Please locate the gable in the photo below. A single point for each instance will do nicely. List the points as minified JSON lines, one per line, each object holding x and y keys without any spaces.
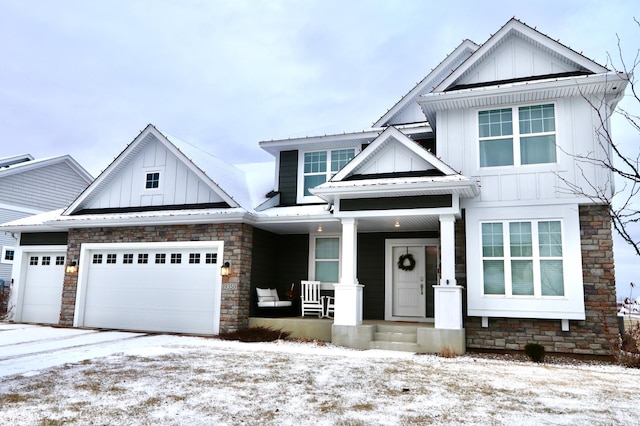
{"x":516,"y":58}
{"x":393,"y":154}
{"x":123,"y":185}
{"x":515,"y":52}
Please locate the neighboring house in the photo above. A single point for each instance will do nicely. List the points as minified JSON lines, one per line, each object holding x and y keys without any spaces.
{"x":29,"y":186}
{"x":452,"y":210}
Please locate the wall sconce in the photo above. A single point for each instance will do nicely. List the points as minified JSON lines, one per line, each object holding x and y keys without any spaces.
{"x":225,"y":270}
{"x":319,"y":228}
{"x":396,"y":225}
{"x":72,"y":267}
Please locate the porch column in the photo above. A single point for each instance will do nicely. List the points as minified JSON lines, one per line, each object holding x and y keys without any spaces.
{"x":348,"y":293}
{"x":448,"y":295}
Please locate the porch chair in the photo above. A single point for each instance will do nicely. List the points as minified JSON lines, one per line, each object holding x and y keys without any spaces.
{"x":329,"y":306}
{"x":268,"y":298}
{"x":311,"y":302}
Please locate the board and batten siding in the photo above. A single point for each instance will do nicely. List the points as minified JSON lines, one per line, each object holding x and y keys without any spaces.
{"x":178,"y":184}
{"x":288,"y":177}
{"x":44,"y":188}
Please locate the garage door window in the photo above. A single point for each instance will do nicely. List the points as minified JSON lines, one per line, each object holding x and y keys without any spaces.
{"x":33,"y":260}
{"x":97,"y":258}
{"x":111,"y":258}
{"x":127,"y":258}
{"x":194,"y":257}
{"x":143,"y":258}
{"x":46,"y":260}
{"x":211,"y":258}
{"x":161,"y":258}
{"x":176,"y":257}
{"x":59,"y":260}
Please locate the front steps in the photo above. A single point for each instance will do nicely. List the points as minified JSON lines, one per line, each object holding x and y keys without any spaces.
{"x":396,"y":338}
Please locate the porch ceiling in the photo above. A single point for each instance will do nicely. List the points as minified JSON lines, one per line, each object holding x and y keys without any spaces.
{"x":408,"y":223}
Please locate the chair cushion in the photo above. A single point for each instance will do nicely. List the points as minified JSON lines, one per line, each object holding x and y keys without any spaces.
{"x":265,"y":295}
{"x":274,"y":304}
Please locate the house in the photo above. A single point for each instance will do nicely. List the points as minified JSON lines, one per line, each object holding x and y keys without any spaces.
{"x":30,"y":186}
{"x":451,"y":212}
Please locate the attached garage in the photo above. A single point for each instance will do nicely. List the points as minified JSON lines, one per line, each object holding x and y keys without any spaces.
{"x":165,"y":287}
{"x":40,"y":298}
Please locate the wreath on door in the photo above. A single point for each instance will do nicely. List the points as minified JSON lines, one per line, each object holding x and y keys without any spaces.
{"x":406,"y":262}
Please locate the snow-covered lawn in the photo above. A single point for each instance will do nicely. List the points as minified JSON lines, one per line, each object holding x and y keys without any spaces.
{"x":130,"y":378}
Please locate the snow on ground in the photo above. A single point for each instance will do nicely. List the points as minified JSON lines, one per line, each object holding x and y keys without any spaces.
{"x":73,"y":376}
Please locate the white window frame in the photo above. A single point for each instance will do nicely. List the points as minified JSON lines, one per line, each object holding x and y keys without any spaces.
{"x":516,"y":135}
{"x":302,"y":198}
{"x":4,"y":254}
{"x":507,"y":258}
{"x":160,"y":179}
{"x":312,"y":254}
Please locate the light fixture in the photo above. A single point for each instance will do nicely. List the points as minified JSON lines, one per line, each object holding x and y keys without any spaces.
{"x":225,"y":270}
{"x":396,"y":225}
{"x":319,"y":228}
{"x":72,"y":267}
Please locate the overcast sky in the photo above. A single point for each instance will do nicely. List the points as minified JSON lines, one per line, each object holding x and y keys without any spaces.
{"x":84,"y":77}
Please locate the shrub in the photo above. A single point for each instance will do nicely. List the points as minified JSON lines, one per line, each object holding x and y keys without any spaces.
{"x":255,"y":334}
{"x":534,"y":351}
{"x":447,"y":352}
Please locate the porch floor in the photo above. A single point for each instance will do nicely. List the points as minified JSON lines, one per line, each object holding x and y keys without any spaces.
{"x":372,"y":334}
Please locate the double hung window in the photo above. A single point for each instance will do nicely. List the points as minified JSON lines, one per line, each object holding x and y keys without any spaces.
{"x":320,"y":166}
{"x":517,"y":136}
{"x":522,"y":258}
{"x":327,"y":259}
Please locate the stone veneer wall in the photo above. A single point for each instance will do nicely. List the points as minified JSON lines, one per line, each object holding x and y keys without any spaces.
{"x":238,"y":242}
{"x":586,"y":337}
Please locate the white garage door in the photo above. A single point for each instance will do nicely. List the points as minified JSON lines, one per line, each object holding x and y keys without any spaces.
{"x":42,"y":293}
{"x":160,"y":288}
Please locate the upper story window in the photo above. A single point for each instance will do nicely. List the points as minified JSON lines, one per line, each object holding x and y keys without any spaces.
{"x":522,"y":258}
{"x":320,"y":166}
{"x":529,"y":139}
{"x":152,"y":180}
{"x":8,"y":253}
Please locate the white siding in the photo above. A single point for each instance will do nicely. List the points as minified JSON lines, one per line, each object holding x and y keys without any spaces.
{"x":394,"y":157}
{"x":178,"y":184}
{"x":457,"y":139}
{"x":514,"y":58}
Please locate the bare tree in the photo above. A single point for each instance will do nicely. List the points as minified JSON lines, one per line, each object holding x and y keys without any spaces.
{"x":623,"y":202}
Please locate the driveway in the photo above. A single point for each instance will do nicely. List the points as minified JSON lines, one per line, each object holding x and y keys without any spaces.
{"x":26,"y":349}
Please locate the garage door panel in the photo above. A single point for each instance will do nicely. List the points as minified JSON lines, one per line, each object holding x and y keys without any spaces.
{"x":176,"y":297}
{"x":42,"y":291}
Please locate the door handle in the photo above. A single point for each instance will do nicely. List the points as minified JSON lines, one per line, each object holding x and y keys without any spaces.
{"x":421,"y":289}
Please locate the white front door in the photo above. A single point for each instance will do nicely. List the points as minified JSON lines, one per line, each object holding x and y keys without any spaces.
{"x":409,"y":286}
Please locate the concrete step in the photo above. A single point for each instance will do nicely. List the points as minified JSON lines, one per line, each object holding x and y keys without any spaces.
{"x":394,"y":346}
{"x":385,"y":328}
{"x":396,"y":337}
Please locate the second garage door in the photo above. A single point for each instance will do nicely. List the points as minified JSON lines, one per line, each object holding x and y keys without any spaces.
{"x":161,"y":287}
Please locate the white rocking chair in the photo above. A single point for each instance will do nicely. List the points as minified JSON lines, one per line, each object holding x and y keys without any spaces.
{"x":311,"y":302}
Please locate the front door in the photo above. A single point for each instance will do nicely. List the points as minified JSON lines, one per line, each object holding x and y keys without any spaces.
{"x":412,"y":270}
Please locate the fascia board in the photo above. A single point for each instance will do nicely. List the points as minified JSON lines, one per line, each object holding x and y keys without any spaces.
{"x":275,"y":146}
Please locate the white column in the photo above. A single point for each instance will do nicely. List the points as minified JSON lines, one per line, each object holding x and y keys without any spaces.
{"x":447,"y":250}
{"x":348,"y":293}
{"x":448,"y":295}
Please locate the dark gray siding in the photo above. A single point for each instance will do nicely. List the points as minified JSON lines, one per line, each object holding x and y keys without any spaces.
{"x":288,"y":177}
{"x":43,"y":239}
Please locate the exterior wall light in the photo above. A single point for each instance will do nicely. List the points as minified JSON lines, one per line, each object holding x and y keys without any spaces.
{"x":225,"y":270}
{"x":72,"y":267}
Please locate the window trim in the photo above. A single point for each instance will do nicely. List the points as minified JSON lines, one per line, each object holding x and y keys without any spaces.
{"x":312,"y":254}
{"x":516,"y":135}
{"x":301,"y":198}
{"x":4,"y":254}
{"x":146,"y":174}
{"x":507,"y":258}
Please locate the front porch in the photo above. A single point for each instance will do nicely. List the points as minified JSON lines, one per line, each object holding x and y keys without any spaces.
{"x":371,"y":334}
